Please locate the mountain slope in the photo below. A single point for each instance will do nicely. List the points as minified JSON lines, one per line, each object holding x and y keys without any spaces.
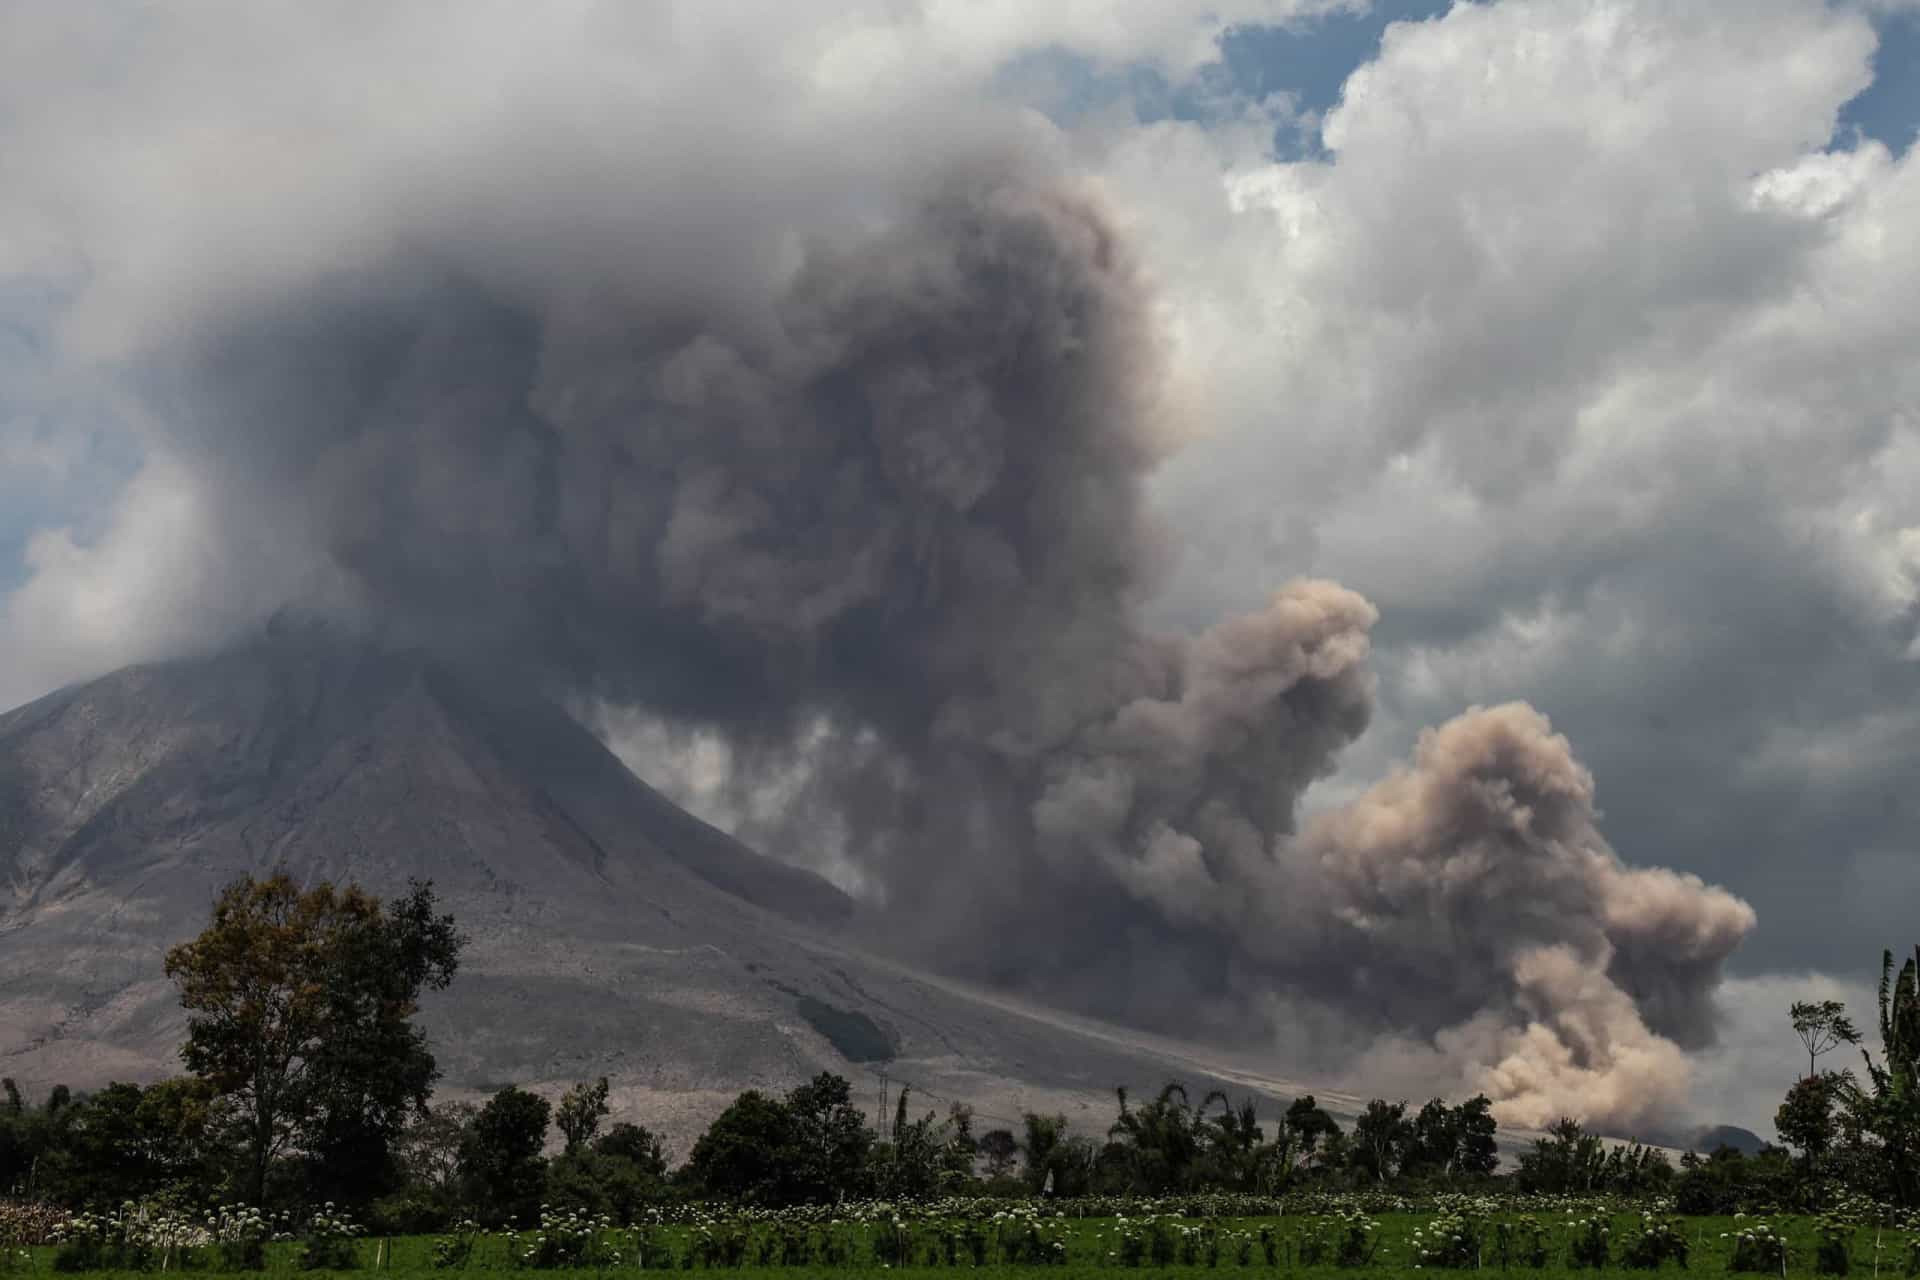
{"x":611,"y":932}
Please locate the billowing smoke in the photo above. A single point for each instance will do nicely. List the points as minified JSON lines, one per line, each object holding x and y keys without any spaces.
{"x":853,"y":486}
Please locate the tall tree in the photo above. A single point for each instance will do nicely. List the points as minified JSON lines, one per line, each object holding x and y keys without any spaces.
{"x":1381,"y":1137}
{"x":1310,"y":1126}
{"x":500,"y":1156}
{"x":831,"y":1139}
{"x":299,"y":1011}
{"x":1479,"y":1152}
{"x":582,"y":1108}
{"x":1001,"y":1149}
{"x":1821,"y":1026}
{"x":1894,"y":1105}
{"x":1805,"y":1120}
{"x":1162,"y":1138}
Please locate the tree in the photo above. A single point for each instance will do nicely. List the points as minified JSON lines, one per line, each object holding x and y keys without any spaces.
{"x":582,"y":1109}
{"x":1237,"y":1146}
{"x":1162,"y":1139}
{"x":638,"y":1146}
{"x":429,"y":1147}
{"x":1059,"y":1162}
{"x":1568,"y":1159}
{"x":1822,"y":1026}
{"x":623,"y":1170}
{"x":1044,"y":1134}
{"x":300,"y":1008}
{"x":831,"y":1140}
{"x":125,"y":1143}
{"x":1381,"y":1137}
{"x":1805,"y":1120}
{"x":745,"y":1152}
{"x":1892,"y":1109}
{"x":1450,"y":1140}
{"x":500,"y":1158}
{"x":1000,"y":1149}
{"x":1310,"y":1126}
{"x":1434,"y":1148}
{"x":1479,"y":1152}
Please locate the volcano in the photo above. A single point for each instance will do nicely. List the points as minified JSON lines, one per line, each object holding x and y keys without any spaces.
{"x":611,"y":932}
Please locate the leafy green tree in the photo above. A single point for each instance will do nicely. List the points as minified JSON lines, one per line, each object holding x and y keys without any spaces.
{"x":1806,"y":1120}
{"x":1479,"y":1150}
{"x":127,"y":1143}
{"x":746,"y":1153}
{"x":500,"y":1156}
{"x":960,"y":1148}
{"x":1892,"y":1109}
{"x":1044,"y":1135}
{"x":1567,"y":1160}
{"x":33,"y":1141}
{"x":1000,"y":1149}
{"x":592,"y":1183}
{"x":1821,"y":1026}
{"x":1381,"y":1138}
{"x":914,"y":1161}
{"x":1238,"y":1155}
{"x":429,"y":1147}
{"x":1058,"y":1161}
{"x":1161,"y":1140}
{"x":1434,"y":1148}
{"x":1451,"y":1141}
{"x":831,"y":1140}
{"x":637,"y":1146}
{"x":582,"y":1108}
{"x":300,"y":1007}
{"x":1310,"y":1126}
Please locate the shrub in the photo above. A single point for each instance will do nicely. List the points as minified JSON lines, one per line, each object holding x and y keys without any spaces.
{"x":1658,"y":1239}
{"x":1589,"y":1242}
{"x":1451,"y":1240}
{"x":1834,"y":1254}
{"x":327,"y":1242}
{"x":1758,"y":1248}
{"x":1522,"y":1242}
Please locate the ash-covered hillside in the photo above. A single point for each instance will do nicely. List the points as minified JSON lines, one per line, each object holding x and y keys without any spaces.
{"x":611,"y":932}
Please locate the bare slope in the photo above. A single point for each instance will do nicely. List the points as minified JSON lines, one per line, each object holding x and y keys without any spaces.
{"x":611,"y":931}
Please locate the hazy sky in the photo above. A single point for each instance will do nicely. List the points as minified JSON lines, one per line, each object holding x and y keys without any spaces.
{"x":1577,"y":337}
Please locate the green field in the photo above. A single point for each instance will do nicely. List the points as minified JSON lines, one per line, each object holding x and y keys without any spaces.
{"x":1278,"y":1245}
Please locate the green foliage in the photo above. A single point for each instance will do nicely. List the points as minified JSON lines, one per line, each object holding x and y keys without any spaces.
{"x":1833,"y":1255}
{"x":1758,"y":1246}
{"x":812,"y":1146}
{"x":581,"y":1110}
{"x":1589,"y":1242}
{"x":299,"y":1013}
{"x":567,"y":1239}
{"x":1821,"y":1026}
{"x":1382,"y":1137}
{"x":1455,"y":1239}
{"x":1567,"y":1160}
{"x":1658,"y":1238}
{"x":327,"y":1242}
{"x":500,"y":1163}
{"x":1521,"y":1242}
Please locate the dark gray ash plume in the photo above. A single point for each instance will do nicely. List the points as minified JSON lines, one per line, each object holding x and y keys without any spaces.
{"x":862,"y":503}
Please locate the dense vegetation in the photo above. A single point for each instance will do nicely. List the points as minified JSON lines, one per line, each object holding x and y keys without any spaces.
{"x":309,"y":1097}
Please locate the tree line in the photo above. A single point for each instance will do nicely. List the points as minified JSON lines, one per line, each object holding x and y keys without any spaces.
{"x":308,"y":1082}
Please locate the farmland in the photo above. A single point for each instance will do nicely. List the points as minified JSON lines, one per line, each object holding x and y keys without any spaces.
{"x":1310,"y":1235}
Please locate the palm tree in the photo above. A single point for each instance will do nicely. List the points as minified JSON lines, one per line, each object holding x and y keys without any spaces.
{"x":1162,"y":1139}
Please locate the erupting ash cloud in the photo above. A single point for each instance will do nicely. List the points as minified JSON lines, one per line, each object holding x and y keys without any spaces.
{"x":855,"y":489}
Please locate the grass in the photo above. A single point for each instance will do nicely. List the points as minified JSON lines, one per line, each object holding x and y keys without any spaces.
{"x":1094,"y":1245}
